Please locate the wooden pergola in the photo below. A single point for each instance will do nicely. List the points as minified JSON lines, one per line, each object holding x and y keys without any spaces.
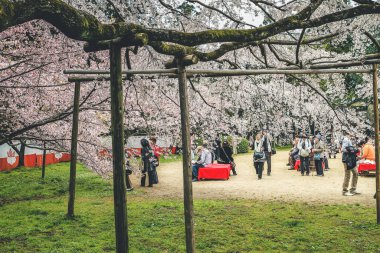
{"x":116,"y":75}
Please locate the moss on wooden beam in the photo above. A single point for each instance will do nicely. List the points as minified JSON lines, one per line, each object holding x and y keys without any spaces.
{"x":82,"y":26}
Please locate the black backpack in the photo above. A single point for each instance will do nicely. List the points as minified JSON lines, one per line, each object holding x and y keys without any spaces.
{"x":351,"y":160}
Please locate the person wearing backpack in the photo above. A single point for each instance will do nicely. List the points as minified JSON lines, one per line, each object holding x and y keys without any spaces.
{"x":349,"y":163}
{"x":304,"y":147}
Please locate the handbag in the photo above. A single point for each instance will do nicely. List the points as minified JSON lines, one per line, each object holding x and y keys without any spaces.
{"x":304,"y":153}
{"x":259,"y":155}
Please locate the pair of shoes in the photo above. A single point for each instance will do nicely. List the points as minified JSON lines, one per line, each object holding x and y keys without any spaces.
{"x":291,"y":169}
{"x":348,"y":194}
{"x":268,"y":174}
{"x":302,"y":174}
{"x":235,"y":174}
{"x":129,"y":189}
{"x":150,"y":185}
{"x":319,"y":175}
{"x":355,"y":192}
{"x":288,"y":164}
{"x":307,"y":174}
{"x":195,"y":180}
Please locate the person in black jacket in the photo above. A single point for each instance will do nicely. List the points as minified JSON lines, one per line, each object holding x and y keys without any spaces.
{"x":146,"y":156}
{"x":225,"y":156}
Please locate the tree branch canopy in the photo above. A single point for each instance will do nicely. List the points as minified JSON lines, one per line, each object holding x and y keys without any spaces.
{"x":79,"y":25}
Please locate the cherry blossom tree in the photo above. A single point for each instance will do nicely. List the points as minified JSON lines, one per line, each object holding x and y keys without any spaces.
{"x":41,"y":38}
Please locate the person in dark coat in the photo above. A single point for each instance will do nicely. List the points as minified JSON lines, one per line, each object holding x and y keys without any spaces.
{"x":146,"y":155}
{"x":225,"y":156}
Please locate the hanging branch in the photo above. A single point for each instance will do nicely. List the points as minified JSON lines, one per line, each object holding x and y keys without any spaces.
{"x":374,"y":41}
{"x":299,"y":47}
{"x":220,"y":12}
{"x":320,"y":94}
{"x":197,"y":91}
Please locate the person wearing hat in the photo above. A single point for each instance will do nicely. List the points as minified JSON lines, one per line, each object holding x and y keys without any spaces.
{"x":304,"y":147}
{"x":205,"y":158}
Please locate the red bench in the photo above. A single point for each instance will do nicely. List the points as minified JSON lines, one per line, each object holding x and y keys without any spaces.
{"x":215,"y":171}
{"x":367,"y":168}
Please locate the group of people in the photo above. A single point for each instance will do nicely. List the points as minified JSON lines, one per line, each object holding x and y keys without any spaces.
{"x":201,"y":156}
{"x":312,"y":149}
{"x":304,"y":149}
{"x":309,"y":150}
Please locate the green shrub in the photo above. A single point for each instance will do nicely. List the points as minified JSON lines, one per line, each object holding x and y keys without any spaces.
{"x":243,"y":146}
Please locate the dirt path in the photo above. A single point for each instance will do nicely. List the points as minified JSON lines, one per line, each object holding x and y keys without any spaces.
{"x":283,"y":184}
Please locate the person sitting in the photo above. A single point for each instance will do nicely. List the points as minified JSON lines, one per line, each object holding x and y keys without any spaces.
{"x":368,"y":152}
{"x":205,"y":158}
{"x":225,"y":156}
{"x":293,"y":154}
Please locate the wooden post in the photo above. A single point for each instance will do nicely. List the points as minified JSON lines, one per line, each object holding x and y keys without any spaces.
{"x":187,"y":170}
{"x":73,"y":161}
{"x":43,"y":162}
{"x":117,"y":114}
{"x":377,"y":157}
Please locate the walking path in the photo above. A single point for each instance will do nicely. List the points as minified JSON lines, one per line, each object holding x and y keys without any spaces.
{"x":283,"y":184}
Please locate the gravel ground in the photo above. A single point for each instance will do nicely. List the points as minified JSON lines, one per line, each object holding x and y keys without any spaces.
{"x":283,"y":184}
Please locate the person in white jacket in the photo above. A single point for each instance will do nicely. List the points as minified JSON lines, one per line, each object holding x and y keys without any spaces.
{"x":304,"y":147}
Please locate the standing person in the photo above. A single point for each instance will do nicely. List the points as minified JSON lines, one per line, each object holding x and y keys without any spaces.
{"x":205,"y":158}
{"x":267,"y":148}
{"x":346,"y":159}
{"x":217,"y":146}
{"x":146,"y":155}
{"x":226,"y":156}
{"x":258,"y":156}
{"x":318,"y":158}
{"x":155,"y":160}
{"x":304,"y":147}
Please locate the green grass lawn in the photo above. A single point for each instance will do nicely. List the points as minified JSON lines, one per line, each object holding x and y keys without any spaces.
{"x":32,"y":219}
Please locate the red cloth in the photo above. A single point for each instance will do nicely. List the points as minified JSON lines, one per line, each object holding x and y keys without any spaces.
{"x":6,"y":166}
{"x":30,"y":160}
{"x":50,"y":159}
{"x":297,"y":165}
{"x":366,"y":167}
{"x":66,"y":157}
{"x":215,"y":171}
